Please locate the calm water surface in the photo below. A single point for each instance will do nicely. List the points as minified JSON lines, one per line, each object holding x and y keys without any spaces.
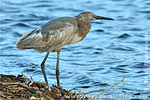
{"x":112,"y":50}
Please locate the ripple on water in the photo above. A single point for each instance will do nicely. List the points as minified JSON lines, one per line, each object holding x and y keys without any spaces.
{"x":83,"y":80}
{"x":118,"y":69}
{"x":96,"y":69}
{"x":97,"y":52}
{"x":16,"y":34}
{"x":7,"y":21}
{"x":139,"y":65}
{"x":10,"y":10}
{"x":80,"y":64}
{"x":23,"y":25}
{"x":27,"y":19}
{"x":140,"y":72}
{"x":88,"y":47}
{"x":139,"y":42}
{"x":122,"y":65}
{"x":100,"y":84}
{"x":134,"y":29}
{"x":21,"y":64}
{"x":32,"y":17}
{"x":124,"y":36}
{"x":99,"y":30}
{"x":144,"y":11}
{"x":9,"y":55}
{"x":29,"y":70}
{"x":120,"y":48}
{"x":78,"y":52}
{"x":2,"y":39}
{"x":42,"y":5}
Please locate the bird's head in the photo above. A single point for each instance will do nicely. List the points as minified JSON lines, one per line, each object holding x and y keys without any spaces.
{"x":89,"y":16}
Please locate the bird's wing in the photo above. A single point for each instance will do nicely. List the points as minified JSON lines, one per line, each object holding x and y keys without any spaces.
{"x":51,"y":34}
{"x":58,"y":32}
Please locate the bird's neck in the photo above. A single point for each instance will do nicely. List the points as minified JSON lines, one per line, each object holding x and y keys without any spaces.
{"x":83,"y":28}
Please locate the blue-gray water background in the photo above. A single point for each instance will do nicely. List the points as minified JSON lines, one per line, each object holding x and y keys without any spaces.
{"x":112,"y":49}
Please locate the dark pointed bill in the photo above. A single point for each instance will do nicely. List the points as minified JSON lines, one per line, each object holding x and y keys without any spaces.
{"x":101,"y":17}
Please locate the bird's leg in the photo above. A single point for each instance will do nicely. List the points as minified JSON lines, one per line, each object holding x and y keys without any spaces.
{"x":43,"y":67}
{"x":57,"y":67}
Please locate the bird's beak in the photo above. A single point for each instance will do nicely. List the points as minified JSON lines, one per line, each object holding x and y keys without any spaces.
{"x":103,"y":18}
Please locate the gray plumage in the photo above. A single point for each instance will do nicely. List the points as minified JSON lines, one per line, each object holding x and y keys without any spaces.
{"x":51,"y":36}
{"x":57,"y":33}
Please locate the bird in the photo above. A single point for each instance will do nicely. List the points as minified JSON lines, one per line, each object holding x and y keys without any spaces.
{"x":55,"y":34}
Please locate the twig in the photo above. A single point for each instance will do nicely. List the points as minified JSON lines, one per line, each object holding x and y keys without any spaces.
{"x":25,"y":77}
{"x":31,"y":78}
{"x":12,"y":83}
{"x":28,"y":81}
{"x":107,"y":89}
{"x":93,"y":91}
{"x":31,"y":90}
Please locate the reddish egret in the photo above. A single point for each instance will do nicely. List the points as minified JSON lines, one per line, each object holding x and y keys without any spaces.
{"x":55,"y":34}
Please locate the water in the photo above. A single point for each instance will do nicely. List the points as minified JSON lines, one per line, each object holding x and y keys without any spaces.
{"x":112,"y":50}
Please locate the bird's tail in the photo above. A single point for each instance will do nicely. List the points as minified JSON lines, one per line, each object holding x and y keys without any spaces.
{"x":24,"y":40}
